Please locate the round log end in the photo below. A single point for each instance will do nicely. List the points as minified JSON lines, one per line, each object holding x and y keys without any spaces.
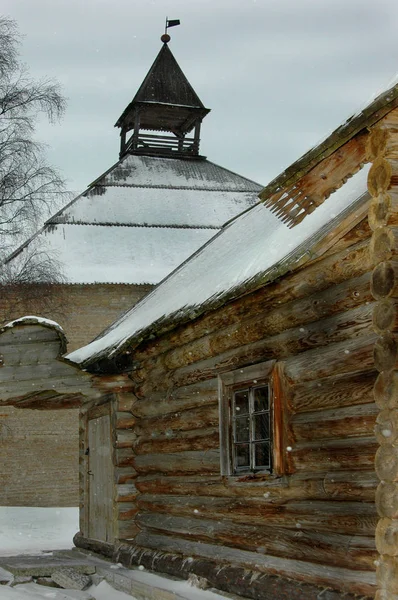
{"x":379,"y":177}
{"x":379,"y":211}
{"x":376,"y":143}
{"x":386,"y":463}
{"x":387,"y":500}
{"x":382,"y":245}
{"x":385,"y":390}
{"x":387,"y":536}
{"x":385,"y":352}
{"x":387,"y":574}
{"x":384,"y":316}
{"x":386,"y":428}
{"x":383,"y":281}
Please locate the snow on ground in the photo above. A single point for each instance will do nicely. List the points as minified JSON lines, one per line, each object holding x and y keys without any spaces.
{"x":37,"y":530}
{"x":34,"y":530}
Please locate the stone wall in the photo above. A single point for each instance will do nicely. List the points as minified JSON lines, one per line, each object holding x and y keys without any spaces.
{"x":39,"y":449}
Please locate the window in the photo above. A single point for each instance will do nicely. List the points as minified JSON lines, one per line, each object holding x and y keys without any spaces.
{"x":251,"y":429}
{"x":250,"y":421}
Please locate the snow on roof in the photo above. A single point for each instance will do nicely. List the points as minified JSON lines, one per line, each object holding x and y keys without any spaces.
{"x":133,"y":255}
{"x":156,"y":207}
{"x":115,"y":232}
{"x":151,"y":171}
{"x":32,"y":320}
{"x":256,"y":244}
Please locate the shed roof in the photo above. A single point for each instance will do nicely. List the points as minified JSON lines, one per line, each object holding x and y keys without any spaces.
{"x":142,"y":218}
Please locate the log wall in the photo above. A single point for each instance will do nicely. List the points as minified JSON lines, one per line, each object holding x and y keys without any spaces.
{"x":316,"y":523}
{"x":383,"y":219}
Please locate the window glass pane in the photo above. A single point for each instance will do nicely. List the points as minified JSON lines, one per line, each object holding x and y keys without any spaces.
{"x":261,"y":426}
{"x":241,"y":404}
{"x":242,"y":455}
{"x":242,"y":429}
{"x":261,"y":398}
{"x":262,"y":455}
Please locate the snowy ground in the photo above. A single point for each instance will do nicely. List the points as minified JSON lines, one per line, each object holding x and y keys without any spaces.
{"x":38,"y":530}
{"x":35,"y":530}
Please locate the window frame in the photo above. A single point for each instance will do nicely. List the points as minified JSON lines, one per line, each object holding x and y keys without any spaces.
{"x":264,"y":373}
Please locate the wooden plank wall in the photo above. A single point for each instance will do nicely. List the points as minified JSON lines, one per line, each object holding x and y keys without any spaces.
{"x":318,"y":323}
{"x":383,"y":218}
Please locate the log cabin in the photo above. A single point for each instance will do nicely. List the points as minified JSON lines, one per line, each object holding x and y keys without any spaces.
{"x":240,"y":422}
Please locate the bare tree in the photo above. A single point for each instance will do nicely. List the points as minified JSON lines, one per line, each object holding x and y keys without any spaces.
{"x":28,"y":185}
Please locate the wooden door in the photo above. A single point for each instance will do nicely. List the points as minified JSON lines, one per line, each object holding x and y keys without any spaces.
{"x":100,"y":480}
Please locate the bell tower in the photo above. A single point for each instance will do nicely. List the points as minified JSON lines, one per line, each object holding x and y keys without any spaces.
{"x":165,"y":115}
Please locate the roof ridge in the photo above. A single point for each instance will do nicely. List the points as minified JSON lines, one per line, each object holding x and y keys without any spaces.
{"x":131,"y":225}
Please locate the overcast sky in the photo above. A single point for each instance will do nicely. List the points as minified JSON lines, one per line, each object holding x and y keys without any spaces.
{"x":278,"y":75}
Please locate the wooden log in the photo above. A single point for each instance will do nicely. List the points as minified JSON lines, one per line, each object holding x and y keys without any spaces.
{"x":202,"y":439}
{"x":33,"y":353}
{"x":126,"y":492}
{"x":281,"y":325}
{"x":183,"y":398}
{"x":359,"y":232}
{"x":385,"y":316}
{"x":313,"y":278}
{"x":376,"y":143}
{"x":386,"y":463}
{"x":127,"y":530}
{"x":387,"y":574}
{"x":360,"y":485}
{"x":387,"y":500}
{"x":125,"y":402}
{"x":382,"y":211}
{"x":179,"y":462}
{"x":360,"y":582}
{"x":384,"y":280}
{"x":352,"y":485}
{"x":331,"y":549}
{"x":334,"y":455}
{"x":307,"y":312}
{"x":125,"y":420}
{"x":355,"y":518}
{"x":340,"y":358}
{"x":125,"y":438}
{"x":353,"y":421}
{"x":380,"y":174}
{"x":336,"y":391}
{"x":386,"y":429}
{"x":383,"y":244}
{"x":126,"y":510}
{"x":385,"y":352}
{"x":124,"y":457}
{"x":196,"y":418}
{"x":386,"y":390}
{"x":123,"y":475}
{"x":387,"y":536}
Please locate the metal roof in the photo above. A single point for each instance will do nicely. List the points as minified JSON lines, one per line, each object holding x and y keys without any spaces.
{"x":141,"y":219}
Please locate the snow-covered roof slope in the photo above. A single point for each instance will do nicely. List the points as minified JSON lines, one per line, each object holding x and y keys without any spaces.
{"x":151,"y":171}
{"x":132,"y":255}
{"x":141,"y":219}
{"x":156,"y":207}
{"x":254,"y":247}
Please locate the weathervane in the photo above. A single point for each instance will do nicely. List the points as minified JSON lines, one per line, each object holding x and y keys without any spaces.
{"x":169,"y":23}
